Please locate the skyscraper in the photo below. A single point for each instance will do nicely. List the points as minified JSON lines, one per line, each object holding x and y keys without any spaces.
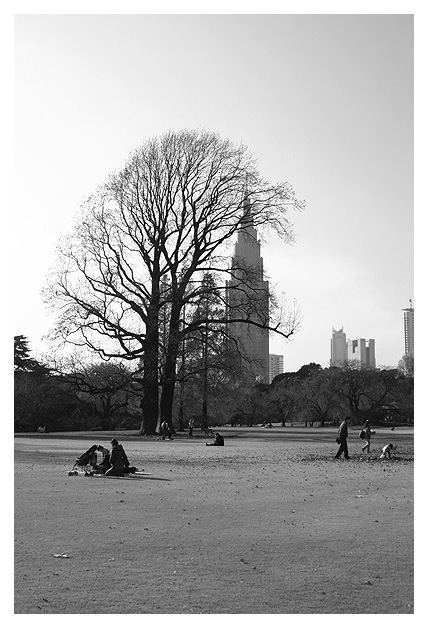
{"x":276,"y":366}
{"x":362,"y":351}
{"x":248,"y":299}
{"x":409,"y":329}
{"x":358,"y":350}
{"x":339,"y":353}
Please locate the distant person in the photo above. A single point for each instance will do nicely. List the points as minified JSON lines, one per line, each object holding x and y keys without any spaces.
{"x":342,"y":437}
{"x":165,"y":431}
{"x":367,"y":435}
{"x":191,"y":426}
{"x":218,"y":441}
{"x":386,"y":451}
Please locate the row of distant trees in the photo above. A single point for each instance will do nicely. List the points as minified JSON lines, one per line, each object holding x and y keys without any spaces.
{"x":107,"y":395}
{"x":325,"y":395}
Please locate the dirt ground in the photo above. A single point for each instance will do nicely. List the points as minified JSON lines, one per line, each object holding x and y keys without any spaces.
{"x":268,"y":524}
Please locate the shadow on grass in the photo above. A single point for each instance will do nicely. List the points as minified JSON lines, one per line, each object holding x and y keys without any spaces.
{"x":129,"y":478}
{"x":404,"y":458}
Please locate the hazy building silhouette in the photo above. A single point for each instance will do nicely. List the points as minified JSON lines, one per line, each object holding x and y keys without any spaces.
{"x":362,"y":351}
{"x":339,"y":351}
{"x":409,"y":329}
{"x":357,"y":350}
{"x":276,"y":366}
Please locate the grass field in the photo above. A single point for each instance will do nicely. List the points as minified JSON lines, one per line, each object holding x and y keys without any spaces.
{"x":268,"y":524}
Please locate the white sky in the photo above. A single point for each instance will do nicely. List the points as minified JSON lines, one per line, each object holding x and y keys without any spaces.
{"x":324,"y":102}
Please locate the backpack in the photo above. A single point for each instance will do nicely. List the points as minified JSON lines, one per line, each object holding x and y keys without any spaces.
{"x":362,"y":435}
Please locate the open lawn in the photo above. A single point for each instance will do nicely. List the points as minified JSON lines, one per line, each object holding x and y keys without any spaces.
{"x":270,"y":523}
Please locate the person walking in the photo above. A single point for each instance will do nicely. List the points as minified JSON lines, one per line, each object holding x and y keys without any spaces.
{"x":191,"y":426}
{"x":342,"y":436}
{"x":367,"y":434}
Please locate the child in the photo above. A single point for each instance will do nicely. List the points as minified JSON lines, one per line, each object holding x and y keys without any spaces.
{"x":367,"y":434}
{"x":386,"y":451}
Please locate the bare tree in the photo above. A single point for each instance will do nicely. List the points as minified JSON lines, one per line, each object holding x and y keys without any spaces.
{"x":144,"y":240}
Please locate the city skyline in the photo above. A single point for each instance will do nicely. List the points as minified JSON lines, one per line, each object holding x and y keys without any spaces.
{"x":356,"y":350}
{"x":324,"y":102}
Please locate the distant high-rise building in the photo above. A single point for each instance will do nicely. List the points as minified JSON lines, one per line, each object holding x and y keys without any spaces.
{"x":363,"y":351}
{"x":343,"y":351}
{"x":247,"y":297}
{"x":409,"y":330}
{"x":276,"y":366}
{"x":339,"y":353}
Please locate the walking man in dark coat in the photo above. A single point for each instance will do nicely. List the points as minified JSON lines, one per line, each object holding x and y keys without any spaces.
{"x":343,"y":435}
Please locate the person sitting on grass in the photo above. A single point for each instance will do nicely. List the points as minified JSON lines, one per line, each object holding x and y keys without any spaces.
{"x":105,"y":462}
{"x":218,"y":442}
{"x":126,"y":466}
{"x":386,"y":451}
{"x":119,"y":463}
{"x":116,"y":459}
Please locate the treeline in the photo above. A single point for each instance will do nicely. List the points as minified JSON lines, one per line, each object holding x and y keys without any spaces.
{"x":107,"y":395}
{"x":99,"y":396}
{"x":325,"y":395}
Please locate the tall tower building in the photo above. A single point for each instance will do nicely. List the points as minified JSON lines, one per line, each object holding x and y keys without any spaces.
{"x":247,"y":298}
{"x":339,"y":354}
{"x":276,"y":366}
{"x":362,"y":351}
{"x":409,"y":329}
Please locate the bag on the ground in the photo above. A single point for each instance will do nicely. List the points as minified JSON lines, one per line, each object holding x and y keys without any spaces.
{"x":362,"y":435}
{"x":337,"y":440}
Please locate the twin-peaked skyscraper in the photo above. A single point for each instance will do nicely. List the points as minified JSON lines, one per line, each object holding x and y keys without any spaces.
{"x":359,"y":350}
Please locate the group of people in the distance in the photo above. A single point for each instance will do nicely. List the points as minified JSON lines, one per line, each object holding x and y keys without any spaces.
{"x":165,"y":432}
{"x":365,"y":434}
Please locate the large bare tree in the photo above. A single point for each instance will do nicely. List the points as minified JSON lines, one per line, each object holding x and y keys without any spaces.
{"x":144,"y":240}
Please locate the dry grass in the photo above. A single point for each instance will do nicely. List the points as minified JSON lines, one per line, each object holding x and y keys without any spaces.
{"x":270,"y":523}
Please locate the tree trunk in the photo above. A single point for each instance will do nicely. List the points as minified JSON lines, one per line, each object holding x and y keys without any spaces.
{"x":149,"y":406}
{"x":169,"y":373}
{"x":181,"y":410}
{"x":150,"y":400}
{"x":167,"y":398}
{"x":205,"y":385}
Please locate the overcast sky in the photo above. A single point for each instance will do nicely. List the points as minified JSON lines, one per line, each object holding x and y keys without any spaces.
{"x":324,"y":102}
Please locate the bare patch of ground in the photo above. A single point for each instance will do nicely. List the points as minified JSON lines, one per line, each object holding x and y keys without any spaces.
{"x":270,"y":523}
